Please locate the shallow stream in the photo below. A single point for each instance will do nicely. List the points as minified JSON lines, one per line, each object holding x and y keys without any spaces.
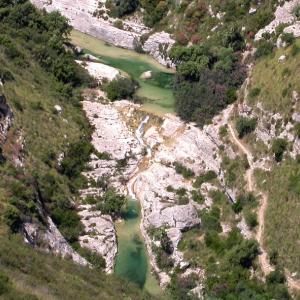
{"x":158,"y":89}
{"x":132,"y":261}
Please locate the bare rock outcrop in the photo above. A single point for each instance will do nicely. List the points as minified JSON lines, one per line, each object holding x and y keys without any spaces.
{"x":283,"y":15}
{"x":51,"y":240}
{"x":100,"y":234}
{"x":100,"y":71}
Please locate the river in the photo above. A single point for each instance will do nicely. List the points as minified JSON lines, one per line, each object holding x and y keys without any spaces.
{"x":158,"y":89}
{"x":132,"y":261}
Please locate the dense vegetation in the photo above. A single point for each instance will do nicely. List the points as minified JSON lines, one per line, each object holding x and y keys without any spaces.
{"x":207,"y":78}
{"x":120,"y":88}
{"x":32,"y":48}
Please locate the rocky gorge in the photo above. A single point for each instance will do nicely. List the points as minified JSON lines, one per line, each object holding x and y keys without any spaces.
{"x":142,"y":151}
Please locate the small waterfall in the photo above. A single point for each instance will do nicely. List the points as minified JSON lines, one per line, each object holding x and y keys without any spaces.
{"x":140,"y":132}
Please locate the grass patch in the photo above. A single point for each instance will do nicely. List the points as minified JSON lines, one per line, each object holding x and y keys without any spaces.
{"x":267,"y":70}
{"x":282,"y":215}
{"x":22,"y":274}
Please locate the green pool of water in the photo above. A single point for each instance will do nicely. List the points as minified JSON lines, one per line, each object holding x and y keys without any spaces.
{"x":132,"y":261}
{"x":158,"y":89}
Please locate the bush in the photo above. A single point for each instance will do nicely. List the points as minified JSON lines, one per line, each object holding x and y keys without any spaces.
{"x":296,"y":11}
{"x":5,"y":284}
{"x":76,"y":157}
{"x":244,"y":253}
{"x":12,"y":218}
{"x":288,"y":38}
{"x":111,"y":203}
{"x":254,"y":92}
{"x":166,"y":243}
{"x":278,"y":148}
{"x":184,"y":171}
{"x":93,"y":257}
{"x":264,"y":48}
{"x":197,"y":197}
{"x":121,"y":88}
{"x":297,"y":130}
{"x":119,"y":24}
{"x":243,"y":200}
{"x":206,"y":177}
{"x":245,"y":126}
{"x":251,"y":219}
{"x":276,"y":277}
{"x":211,"y":220}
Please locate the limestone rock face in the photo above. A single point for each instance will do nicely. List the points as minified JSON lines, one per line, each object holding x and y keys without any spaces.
{"x":51,"y":240}
{"x":147,"y":177}
{"x":100,"y":234}
{"x":283,"y":15}
{"x":158,"y":45}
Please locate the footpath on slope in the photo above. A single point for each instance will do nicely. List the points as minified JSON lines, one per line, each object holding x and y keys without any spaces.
{"x":251,"y":187}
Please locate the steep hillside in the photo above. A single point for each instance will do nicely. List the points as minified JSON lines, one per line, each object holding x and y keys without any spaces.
{"x":45,"y":142}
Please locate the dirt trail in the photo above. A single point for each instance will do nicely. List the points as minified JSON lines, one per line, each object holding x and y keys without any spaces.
{"x":251,"y":187}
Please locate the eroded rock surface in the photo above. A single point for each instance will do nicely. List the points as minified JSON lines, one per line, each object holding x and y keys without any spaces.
{"x":51,"y":240}
{"x":283,"y":15}
{"x":100,"y":234}
{"x":123,"y":132}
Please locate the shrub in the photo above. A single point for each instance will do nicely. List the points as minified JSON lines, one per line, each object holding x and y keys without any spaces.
{"x":254,"y":92}
{"x":164,"y":261}
{"x":5,"y":284}
{"x":245,"y":126}
{"x":184,"y":171}
{"x":296,"y":11}
{"x":288,"y":38}
{"x":223,"y":131}
{"x":197,"y":196}
{"x":244,"y":253}
{"x":111,"y":203}
{"x":211,"y":220}
{"x":273,"y":256}
{"x":76,"y":157}
{"x":251,"y":219}
{"x":12,"y":218}
{"x":276,"y":276}
{"x":278,"y":148}
{"x":121,"y":88}
{"x":295,"y":50}
{"x":205,"y":177}
{"x":264,"y":48}
{"x":297,"y":130}
{"x":166,"y":243}
{"x":242,"y":200}
{"x":93,"y":257}
{"x":119,"y":24}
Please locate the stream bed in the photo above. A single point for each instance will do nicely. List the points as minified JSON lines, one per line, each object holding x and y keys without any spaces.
{"x":132,"y":260}
{"x":157,"y":90}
